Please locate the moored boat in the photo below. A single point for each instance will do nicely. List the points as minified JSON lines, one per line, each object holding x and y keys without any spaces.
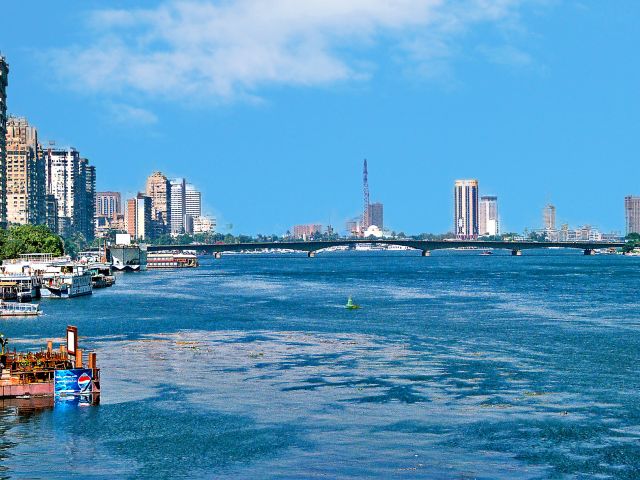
{"x":8,"y":309}
{"x":101,"y":275}
{"x":171,"y":260}
{"x":66,"y":281}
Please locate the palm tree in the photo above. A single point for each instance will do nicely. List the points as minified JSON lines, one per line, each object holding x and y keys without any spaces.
{"x":3,"y":342}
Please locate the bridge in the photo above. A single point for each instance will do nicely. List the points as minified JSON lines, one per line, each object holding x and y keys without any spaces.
{"x":425,"y":246}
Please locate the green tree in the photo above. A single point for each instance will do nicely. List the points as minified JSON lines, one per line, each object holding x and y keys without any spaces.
{"x":75,"y":244}
{"x":633,"y":242}
{"x":21,"y":239}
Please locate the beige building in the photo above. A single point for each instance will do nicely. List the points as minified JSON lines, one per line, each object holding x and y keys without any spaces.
{"x":159,"y":191}
{"x":25,"y":184}
{"x":465,"y":217}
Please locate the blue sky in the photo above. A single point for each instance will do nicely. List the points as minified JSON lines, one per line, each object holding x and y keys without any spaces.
{"x":269,"y":107}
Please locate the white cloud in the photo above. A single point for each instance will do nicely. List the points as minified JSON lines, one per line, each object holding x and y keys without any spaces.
{"x":127,"y":114}
{"x":506,"y":55}
{"x":230,"y":49}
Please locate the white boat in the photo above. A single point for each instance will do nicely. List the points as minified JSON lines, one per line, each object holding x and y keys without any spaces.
{"x":19,"y":309}
{"x":171,"y":260}
{"x":369,"y":247}
{"x":66,"y":281}
{"x":393,"y":247}
{"x":339,"y":248}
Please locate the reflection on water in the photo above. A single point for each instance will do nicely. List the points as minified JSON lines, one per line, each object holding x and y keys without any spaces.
{"x":456,"y":367}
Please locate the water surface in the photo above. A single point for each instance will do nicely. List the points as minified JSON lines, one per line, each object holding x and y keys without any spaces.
{"x":457,"y":366}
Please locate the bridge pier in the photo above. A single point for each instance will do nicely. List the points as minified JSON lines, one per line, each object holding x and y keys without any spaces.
{"x":311,"y":254}
{"x":217,"y":255}
{"x":516,"y":253}
{"x":426,"y":253}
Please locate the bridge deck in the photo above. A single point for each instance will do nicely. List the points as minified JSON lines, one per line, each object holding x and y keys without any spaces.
{"x":424,"y":245}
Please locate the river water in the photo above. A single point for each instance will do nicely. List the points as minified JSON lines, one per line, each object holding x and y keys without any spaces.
{"x":456,"y":366}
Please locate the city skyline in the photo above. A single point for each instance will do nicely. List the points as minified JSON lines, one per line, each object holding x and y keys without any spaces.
{"x":423,"y":132}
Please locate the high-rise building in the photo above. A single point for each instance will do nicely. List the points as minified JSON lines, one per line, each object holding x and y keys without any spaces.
{"x":71,"y":180}
{"x":376,"y":215}
{"x":25,"y":187}
{"x":488,"y":216}
{"x":193,"y":201}
{"x":84,"y":220}
{"x":61,"y":172}
{"x":4,"y":82}
{"x":139,"y":224}
{"x":549,"y":217}
{"x":159,"y":190}
{"x":466,"y":209}
{"x":632,"y":214}
{"x":108,"y":203}
{"x":186,"y":204}
{"x":178,"y":205}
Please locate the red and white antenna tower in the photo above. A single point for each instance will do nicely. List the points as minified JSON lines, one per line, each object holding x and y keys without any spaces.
{"x":365,"y":186}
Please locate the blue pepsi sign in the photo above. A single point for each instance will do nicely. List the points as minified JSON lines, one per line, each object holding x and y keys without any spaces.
{"x":70,"y":382}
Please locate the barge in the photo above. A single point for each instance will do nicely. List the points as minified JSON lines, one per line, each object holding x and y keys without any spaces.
{"x":48,"y":373}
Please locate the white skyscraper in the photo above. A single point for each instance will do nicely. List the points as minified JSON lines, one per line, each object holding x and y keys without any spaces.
{"x":186,"y":204}
{"x":488,"y":216}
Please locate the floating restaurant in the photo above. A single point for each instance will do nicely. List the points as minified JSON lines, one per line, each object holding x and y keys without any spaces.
{"x":49,"y":373}
{"x":171,"y":260}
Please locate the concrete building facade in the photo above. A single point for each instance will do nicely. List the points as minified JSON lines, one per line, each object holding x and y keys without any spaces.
{"x":632,"y":214}
{"x":71,"y":180}
{"x":4,"y":82}
{"x":376,"y":215}
{"x":159,"y":190}
{"x":108,"y":204}
{"x":466,"y":204}
{"x":25,"y":183}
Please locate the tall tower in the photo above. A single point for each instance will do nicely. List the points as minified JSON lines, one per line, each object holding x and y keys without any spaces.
{"x":4,"y":81}
{"x":365,"y":187}
{"x":549,"y":217}
{"x":466,"y":209}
